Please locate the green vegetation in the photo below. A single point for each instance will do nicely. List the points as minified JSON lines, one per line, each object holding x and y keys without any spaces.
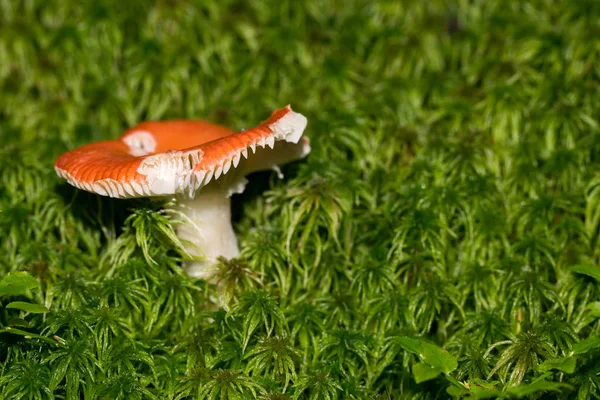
{"x":442,"y":239}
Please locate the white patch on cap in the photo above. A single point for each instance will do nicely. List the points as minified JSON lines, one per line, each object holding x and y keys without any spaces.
{"x":290,"y":127}
{"x":140,"y":143}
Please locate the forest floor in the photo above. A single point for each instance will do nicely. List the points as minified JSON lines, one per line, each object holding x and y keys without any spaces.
{"x":441,"y":239}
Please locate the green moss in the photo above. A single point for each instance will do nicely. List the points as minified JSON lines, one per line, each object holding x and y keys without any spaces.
{"x":444,"y":230}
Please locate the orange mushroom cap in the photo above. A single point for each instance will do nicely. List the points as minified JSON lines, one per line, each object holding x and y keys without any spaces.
{"x":158,"y":158}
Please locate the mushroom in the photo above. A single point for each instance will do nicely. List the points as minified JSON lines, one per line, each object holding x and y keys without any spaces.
{"x":199,"y":163}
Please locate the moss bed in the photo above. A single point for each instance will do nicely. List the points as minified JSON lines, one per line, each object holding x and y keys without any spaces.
{"x":441,"y":240}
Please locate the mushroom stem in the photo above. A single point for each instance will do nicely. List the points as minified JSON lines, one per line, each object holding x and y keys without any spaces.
{"x":207,"y":233}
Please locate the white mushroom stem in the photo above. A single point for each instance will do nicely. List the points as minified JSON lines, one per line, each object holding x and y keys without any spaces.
{"x":207,"y":233}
